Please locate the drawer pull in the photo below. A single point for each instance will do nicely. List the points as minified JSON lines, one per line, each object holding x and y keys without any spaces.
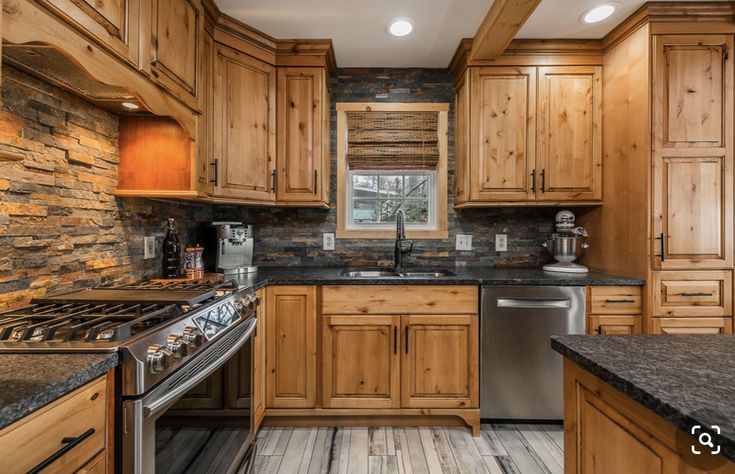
{"x":70,"y":443}
{"x":620,"y":301}
{"x":697,"y":294}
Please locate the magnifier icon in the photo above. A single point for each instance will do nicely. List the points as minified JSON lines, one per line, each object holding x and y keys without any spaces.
{"x":705,"y":439}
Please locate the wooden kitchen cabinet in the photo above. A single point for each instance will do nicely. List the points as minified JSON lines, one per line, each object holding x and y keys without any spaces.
{"x":615,"y":324}
{"x":81,"y":413}
{"x":303,"y":136}
{"x":259,"y":367}
{"x":614,"y":310}
{"x":291,"y":347}
{"x":244,"y":126}
{"x":529,"y":135}
{"x":205,"y":164}
{"x":692,"y":294}
{"x":693,"y":152}
{"x":360,"y":361}
{"x":439,"y":361}
{"x":691,"y":325}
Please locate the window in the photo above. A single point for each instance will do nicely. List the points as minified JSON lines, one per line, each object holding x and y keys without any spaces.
{"x":389,"y":162}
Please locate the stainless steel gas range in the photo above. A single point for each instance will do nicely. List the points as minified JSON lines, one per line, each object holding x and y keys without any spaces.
{"x":170,"y":337}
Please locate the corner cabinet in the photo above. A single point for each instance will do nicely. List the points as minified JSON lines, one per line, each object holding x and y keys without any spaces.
{"x":529,"y":136}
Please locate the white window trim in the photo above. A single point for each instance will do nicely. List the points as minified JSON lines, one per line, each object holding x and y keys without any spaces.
{"x":431,"y":224}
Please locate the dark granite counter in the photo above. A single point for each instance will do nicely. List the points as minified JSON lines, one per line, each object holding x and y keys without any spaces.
{"x":686,"y":379}
{"x":30,"y":381}
{"x":462,"y":276}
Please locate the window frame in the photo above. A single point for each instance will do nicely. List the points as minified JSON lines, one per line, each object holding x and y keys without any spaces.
{"x":345,"y":227}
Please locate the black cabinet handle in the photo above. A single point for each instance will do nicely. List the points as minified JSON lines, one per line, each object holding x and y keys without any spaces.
{"x":316,"y":182}
{"x":543,"y":181}
{"x":696,"y":294}
{"x":533,"y":180}
{"x":395,"y":339}
{"x":661,"y":238}
{"x":273,"y":175}
{"x":619,"y":301}
{"x":215,"y":165}
{"x":406,"y":340}
{"x":70,"y":443}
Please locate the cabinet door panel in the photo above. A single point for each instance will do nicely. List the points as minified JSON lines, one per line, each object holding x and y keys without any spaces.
{"x":569,"y":133}
{"x":360,"y":361}
{"x":615,"y":324}
{"x":244,"y":126}
{"x":300,"y":113}
{"x":291,"y":347}
{"x":693,"y":293}
{"x":439,"y":362}
{"x":503,"y":147}
{"x":692,"y":325}
{"x":259,"y":367}
{"x":462,"y":140}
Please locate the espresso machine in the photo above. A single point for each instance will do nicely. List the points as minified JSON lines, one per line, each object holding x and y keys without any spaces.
{"x":229,"y":248}
{"x":566,"y":244}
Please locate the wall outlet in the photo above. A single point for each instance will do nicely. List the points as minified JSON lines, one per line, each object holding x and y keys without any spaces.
{"x":328,"y":241}
{"x":149,"y":247}
{"x":464,"y":242}
{"x":501,"y":242}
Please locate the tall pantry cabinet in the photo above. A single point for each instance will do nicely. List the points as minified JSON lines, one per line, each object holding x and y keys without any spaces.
{"x":667,"y":212}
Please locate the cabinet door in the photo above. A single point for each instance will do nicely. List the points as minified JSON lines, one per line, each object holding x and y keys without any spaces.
{"x":301,"y":146}
{"x":691,"y":325}
{"x":693,"y":157}
{"x":205,"y":396}
{"x":238,"y":380}
{"x":244,"y":126}
{"x":206,"y":166}
{"x":503,"y":133}
{"x":439,"y":362}
{"x":360,"y":363}
{"x":259,"y":363}
{"x":615,"y":324}
{"x":291,"y":354}
{"x":176,"y":28}
{"x":570,"y":133}
{"x":462,"y":140}
{"x":113,"y":23}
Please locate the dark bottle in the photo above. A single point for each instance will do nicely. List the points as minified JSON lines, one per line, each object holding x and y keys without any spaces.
{"x":171,"y":252}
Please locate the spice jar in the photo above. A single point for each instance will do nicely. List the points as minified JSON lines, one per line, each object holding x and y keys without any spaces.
{"x":193,"y":262}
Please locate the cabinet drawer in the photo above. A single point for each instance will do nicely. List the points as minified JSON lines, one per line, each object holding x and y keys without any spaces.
{"x":33,"y":439}
{"x":399,"y":299}
{"x":615,"y":324}
{"x":692,"y":325}
{"x":615,"y":300}
{"x":690,"y":294}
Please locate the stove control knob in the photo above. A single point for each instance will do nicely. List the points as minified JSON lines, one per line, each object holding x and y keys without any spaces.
{"x":177,"y":345}
{"x":193,"y":337}
{"x":158,"y":358}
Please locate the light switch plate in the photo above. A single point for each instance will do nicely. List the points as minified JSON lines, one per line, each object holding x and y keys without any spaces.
{"x":328,"y":241}
{"x":149,"y":247}
{"x":501,"y":242}
{"x":464,"y":242}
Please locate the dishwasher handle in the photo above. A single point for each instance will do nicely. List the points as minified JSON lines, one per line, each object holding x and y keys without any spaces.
{"x":536,"y":303}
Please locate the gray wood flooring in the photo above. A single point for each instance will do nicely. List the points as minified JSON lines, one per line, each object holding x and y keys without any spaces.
{"x":501,"y":449}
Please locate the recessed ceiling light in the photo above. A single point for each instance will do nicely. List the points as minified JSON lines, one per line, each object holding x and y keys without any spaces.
{"x":130,"y":105}
{"x":599,"y":13}
{"x":400,"y":28}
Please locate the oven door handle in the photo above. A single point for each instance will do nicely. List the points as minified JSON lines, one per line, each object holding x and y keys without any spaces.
{"x":172,"y":395}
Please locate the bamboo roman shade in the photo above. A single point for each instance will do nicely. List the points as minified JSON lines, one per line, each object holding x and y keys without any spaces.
{"x":382,"y":140}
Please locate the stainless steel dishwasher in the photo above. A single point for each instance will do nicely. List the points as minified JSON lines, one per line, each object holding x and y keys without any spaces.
{"x":520,"y":375}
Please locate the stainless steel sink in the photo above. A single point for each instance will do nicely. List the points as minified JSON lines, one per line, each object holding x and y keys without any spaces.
{"x":391,"y":273}
{"x":369,"y":273}
{"x":427,"y":274}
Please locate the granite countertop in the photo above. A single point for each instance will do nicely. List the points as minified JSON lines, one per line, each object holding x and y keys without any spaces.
{"x":463,"y":276}
{"x":686,"y":379}
{"x":30,"y":381}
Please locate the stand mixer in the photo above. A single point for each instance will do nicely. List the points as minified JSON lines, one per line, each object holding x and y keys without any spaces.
{"x":566,"y":245}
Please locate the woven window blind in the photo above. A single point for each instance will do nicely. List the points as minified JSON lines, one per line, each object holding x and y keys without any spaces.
{"x":392,"y":140}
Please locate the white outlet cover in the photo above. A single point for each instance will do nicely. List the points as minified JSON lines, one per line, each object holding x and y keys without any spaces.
{"x":501,"y":242}
{"x":464,"y":242}
{"x":149,"y":247}
{"x":328,"y":243}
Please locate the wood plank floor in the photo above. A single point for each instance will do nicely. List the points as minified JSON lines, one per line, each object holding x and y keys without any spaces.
{"x":501,"y":449}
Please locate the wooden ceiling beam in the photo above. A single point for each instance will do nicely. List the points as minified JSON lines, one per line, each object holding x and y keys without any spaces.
{"x":503,"y":21}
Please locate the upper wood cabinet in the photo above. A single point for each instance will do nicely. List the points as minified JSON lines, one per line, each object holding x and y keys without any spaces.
{"x":303,"y":135}
{"x":570,"y":133}
{"x":533,"y":133}
{"x":205,"y":171}
{"x":114,"y":24}
{"x":291,"y":352}
{"x":173,"y":32}
{"x":693,"y":152}
{"x":244,"y":126}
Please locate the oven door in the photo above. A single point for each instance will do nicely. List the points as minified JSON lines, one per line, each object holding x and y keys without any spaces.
{"x":158,"y":436}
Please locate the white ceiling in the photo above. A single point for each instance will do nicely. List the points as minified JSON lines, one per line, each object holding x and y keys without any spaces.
{"x":358,"y":27}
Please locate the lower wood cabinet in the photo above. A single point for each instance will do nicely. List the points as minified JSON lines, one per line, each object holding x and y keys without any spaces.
{"x":615,"y":324}
{"x":691,"y":325}
{"x":614,"y":310}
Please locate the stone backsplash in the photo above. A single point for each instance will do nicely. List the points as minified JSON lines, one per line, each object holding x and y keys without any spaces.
{"x":294,"y":236}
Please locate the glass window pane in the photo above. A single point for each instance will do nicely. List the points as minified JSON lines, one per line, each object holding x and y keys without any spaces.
{"x":388,"y":210}
{"x":391,"y":186}
{"x":364,"y":211}
{"x":364,"y":186}
{"x":417,"y":186}
{"x":416,"y":211}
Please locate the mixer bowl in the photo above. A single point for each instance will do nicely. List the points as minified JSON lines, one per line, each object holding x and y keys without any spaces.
{"x":564,"y":248}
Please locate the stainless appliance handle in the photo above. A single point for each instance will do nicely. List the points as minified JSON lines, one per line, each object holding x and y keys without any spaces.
{"x":169,"y":396}
{"x":533,"y":303}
